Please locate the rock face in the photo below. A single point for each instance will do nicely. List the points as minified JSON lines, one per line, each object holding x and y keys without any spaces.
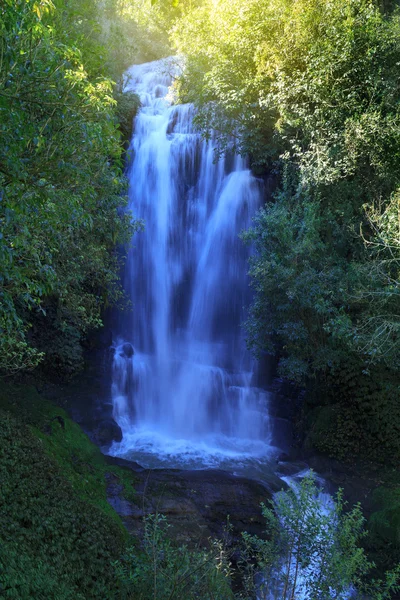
{"x":106,"y":432}
{"x":196,"y":503}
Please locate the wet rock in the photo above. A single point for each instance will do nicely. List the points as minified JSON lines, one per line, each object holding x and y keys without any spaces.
{"x":116,"y":499}
{"x":196,"y":503}
{"x":121,"y":462}
{"x":106,"y":432}
{"x":127,"y":350}
{"x":100,"y":339}
{"x":283,"y":457}
{"x":172,"y":123}
{"x":282,"y":434}
{"x":288,"y":469}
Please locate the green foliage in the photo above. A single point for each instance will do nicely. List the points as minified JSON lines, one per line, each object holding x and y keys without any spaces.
{"x":164,"y":571}
{"x":127,"y":106}
{"x":378,"y":331}
{"x":301,"y":286}
{"x":361,"y":409}
{"x":308,"y":548}
{"x":61,"y":182}
{"x":383,"y":541}
{"x":59,"y":536}
{"x":385,"y":520}
{"x":309,"y":90}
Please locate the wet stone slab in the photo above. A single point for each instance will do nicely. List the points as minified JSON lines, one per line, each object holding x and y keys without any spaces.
{"x":197,"y":504}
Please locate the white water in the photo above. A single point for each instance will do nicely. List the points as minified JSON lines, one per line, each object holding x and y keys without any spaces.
{"x":188,"y":394}
{"x":187,"y":397}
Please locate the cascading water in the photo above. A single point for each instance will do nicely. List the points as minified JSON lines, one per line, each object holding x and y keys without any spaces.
{"x":189,"y":388}
{"x":184,"y":386}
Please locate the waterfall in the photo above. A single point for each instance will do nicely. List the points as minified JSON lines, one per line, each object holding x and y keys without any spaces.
{"x":184,"y":387}
{"x":183,"y":381}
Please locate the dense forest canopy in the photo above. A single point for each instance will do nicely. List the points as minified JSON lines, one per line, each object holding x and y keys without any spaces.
{"x":312,"y":90}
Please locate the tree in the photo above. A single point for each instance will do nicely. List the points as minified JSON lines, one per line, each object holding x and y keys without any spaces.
{"x":61,"y":186}
{"x":312,"y":549}
{"x":308,"y":90}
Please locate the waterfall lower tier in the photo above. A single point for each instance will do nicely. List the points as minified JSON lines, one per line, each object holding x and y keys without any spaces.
{"x":184,"y":384}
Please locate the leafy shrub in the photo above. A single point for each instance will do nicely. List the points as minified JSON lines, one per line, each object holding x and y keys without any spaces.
{"x":385,"y":521}
{"x":383,"y":540}
{"x":161,"y":570}
{"x":355,"y":408}
{"x":312,"y":550}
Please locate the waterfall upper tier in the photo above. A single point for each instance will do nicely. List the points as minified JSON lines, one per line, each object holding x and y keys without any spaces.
{"x":190,"y":384}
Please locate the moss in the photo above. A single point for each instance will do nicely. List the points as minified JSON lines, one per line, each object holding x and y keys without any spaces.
{"x":59,"y":536}
{"x":80,"y":460}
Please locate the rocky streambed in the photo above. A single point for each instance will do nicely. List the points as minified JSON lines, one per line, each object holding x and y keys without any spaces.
{"x":197,"y":503}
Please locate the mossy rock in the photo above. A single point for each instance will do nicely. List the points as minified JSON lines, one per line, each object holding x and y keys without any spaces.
{"x":59,"y":536}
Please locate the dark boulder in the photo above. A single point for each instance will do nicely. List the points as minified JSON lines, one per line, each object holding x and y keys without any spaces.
{"x":106,"y":432}
{"x":127,"y":350}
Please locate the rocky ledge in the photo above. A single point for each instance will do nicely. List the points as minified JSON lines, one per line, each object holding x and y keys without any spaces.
{"x":196,"y":503}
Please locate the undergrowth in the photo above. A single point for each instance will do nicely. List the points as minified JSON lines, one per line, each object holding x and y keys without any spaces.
{"x":58,"y":534}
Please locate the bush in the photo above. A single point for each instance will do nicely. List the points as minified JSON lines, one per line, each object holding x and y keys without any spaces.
{"x":383,"y":540}
{"x":312,"y":551}
{"x":165,"y":571}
